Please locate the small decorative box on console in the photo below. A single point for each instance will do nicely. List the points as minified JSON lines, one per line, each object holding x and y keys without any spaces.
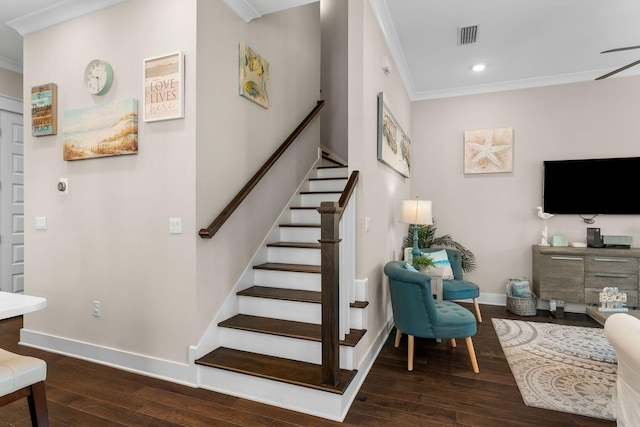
{"x":621,"y":242}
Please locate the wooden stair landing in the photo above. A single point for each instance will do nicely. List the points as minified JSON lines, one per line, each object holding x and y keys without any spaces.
{"x":287,"y":328}
{"x":274,"y":368}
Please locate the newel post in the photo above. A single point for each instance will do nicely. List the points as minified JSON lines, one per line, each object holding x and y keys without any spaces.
{"x":330,"y":268}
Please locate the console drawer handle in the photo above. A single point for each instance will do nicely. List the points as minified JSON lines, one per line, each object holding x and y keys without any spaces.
{"x":566,"y":258}
{"x":611,"y":259}
{"x":620,"y":276}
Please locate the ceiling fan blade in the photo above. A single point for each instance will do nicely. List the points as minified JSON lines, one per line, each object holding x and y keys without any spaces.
{"x":620,"y":49}
{"x":618,"y":70}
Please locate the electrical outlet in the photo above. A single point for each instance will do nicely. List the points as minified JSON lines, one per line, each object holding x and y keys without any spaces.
{"x":95,"y":310}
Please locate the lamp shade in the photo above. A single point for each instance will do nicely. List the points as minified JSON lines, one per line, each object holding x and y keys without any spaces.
{"x":416,"y":211}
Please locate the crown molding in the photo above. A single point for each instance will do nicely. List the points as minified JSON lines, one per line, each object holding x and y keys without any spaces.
{"x":11,"y":65}
{"x":381,"y":12}
{"x":243,"y":9}
{"x":559,"y":79}
{"x":59,"y":12}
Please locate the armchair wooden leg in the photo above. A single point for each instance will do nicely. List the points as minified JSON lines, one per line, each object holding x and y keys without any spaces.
{"x":410,"y":362}
{"x":478,"y":315}
{"x":472,"y":354}
{"x":398,"y":336}
{"x":453,"y":343}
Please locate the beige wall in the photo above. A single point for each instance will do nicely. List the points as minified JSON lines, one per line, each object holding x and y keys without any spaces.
{"x":335,"y":76}
{"x":235,"y":136}
{"x":494,"y":215}
{"x":381,"y":189}
{"x":10,"y":84}
{"x":109,"y":240}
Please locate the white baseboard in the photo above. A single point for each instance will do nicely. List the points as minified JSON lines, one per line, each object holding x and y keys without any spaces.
{"x":131,"y":362}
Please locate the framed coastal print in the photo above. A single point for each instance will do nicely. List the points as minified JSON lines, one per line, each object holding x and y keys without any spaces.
{"x":164,"y":87}
{"x":253,"y":76}
{"x":44,"y":110}
{"x":394,"y":144}
{"x":102,"y":130}
{"x":488,"y":151}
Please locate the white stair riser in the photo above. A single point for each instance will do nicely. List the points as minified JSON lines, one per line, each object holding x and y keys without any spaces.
{"x":305,"y":216}
{"x":275,"y":345}
{"x":317,"y":198}
{"x":281,"y":309}
{"x":332,"y":173}
{"x":361,"y":290}
{"x":357,"y":318}
{"x":294,"y":255}
{"x":328,"y":185}
{"x":288,"y":279}
{"x":300,"y":234}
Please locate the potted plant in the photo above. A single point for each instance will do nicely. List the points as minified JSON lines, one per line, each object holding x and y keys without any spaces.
{"x":423,"y":263}
{"x":426,"y":239}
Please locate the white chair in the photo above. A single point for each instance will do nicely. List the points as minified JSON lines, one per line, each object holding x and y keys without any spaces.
{"x":23,"y":376}
{"x":623,"y":332}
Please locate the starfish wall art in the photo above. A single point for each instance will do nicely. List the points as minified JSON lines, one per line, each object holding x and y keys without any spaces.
{"x":488,"y":150}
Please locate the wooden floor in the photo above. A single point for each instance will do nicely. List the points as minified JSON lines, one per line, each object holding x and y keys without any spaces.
{"x":441,"y":391}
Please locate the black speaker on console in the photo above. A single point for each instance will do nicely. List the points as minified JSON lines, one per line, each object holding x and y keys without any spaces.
{"x":594,"y":239}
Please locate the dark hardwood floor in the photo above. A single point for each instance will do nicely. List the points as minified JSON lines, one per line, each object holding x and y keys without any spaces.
{"x":441,"y":391}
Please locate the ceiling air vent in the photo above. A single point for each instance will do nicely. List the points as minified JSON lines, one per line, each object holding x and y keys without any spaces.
{"x":467,"y":35}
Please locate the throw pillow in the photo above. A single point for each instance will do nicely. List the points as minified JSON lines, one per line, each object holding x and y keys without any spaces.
{"x":409,"y":267}
{"x":441,"y":259}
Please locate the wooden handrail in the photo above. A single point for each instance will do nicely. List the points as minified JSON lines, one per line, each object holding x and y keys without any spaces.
{"x":348,"y":190}
{"x":209,"y":232}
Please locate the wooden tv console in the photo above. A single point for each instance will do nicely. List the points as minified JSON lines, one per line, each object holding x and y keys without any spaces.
{"x":562,"y":273}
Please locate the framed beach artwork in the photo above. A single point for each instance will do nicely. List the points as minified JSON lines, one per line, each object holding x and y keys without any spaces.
{"x":164,"y":87}
{"x":109,"y":129}
{"x":253,"y":76}
{"x":488,"y":151}
{"x":394,"y":145}
{"x":44,"y":110}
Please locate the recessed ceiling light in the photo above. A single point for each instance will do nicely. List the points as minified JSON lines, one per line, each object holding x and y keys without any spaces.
{"x":478,"y":67}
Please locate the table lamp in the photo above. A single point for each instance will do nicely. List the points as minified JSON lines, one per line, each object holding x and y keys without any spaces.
{"x":416,"y":211}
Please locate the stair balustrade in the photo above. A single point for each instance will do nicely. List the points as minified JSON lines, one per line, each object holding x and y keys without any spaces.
{"x":338,"y":272}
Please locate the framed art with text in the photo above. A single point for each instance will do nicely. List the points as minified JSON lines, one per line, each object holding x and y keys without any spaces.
{"x":164,"y":87}
{"x":394,"y":144}
{"x":44,"y":114}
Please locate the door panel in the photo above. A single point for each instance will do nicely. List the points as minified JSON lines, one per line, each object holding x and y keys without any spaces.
{"x":11,"y":202}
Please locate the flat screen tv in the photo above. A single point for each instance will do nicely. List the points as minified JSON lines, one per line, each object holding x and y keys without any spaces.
{"x":592,"y":186}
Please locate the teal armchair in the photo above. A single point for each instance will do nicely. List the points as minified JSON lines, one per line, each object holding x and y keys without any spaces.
{"x":417,"y":314}
{"x":458,"y":288}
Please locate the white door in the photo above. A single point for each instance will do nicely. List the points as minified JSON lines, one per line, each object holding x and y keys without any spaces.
{"x":11,"y":202}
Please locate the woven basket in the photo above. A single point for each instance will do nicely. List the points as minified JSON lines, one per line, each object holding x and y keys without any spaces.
{"x":522,"y":306}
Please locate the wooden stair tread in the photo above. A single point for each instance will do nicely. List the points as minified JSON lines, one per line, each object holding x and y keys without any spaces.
{"x":331,"y":167}
{"x":297,"y":245}
{"x":322,"y":192}
{"x":305,"y":207}
{"x":298,"y":268}
{"x":274,"y":368}
{"x":302,"y":225}
{"x":287,"y":328}
{"x":329,"y":178}
{"x":282,"y":294}
{"x":286,"y":294}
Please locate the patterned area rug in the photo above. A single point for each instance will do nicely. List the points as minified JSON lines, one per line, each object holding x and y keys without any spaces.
{"x":563,"y":368}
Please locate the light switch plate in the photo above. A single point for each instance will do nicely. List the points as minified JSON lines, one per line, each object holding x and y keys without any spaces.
{"x":41,"y":223}
{"x":175,"y":225}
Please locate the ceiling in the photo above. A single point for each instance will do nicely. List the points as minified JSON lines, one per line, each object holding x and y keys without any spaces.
{"x":523,"y":43}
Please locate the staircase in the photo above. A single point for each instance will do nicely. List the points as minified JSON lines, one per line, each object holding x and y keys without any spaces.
{"x":270,"y":350}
